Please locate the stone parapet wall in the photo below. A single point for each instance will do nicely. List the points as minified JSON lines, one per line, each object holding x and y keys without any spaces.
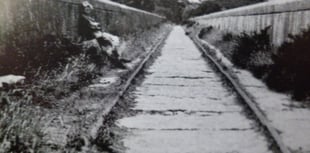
{"x":285,"y":17}
{"x":29,"y":19}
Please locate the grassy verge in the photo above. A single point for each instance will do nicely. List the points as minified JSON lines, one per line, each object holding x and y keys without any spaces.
{"x":56,"y":70}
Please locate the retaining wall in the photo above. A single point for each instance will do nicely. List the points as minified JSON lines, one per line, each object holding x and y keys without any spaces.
{"x":284,"y":16}
{"x":28,"y":19}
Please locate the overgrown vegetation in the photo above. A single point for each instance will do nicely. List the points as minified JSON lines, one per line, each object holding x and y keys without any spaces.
{"x":291,"y":73}
{"x":228,"y":37}
{"x":56,"y":68}
{"x":253,"y":52}
{"x":235,"y":3}
{"x":19,"y":133}
{"x":171,"y":9}
{"x":283,"y":70}
{"x":204,"y":31}
{"x":180,"y":10}
{"x":211,"y":6}
{"x":205,"y":7}
{"x":42,"y":54}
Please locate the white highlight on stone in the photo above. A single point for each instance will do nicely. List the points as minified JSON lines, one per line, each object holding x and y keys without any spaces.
{"x":11,"y":79}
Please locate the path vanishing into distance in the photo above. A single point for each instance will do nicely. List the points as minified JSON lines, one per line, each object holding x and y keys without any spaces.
{"x":184,"y":106}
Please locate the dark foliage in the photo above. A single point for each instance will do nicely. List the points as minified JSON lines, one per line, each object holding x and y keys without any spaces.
{"x":285,"y":71}
{"x":253,"y":52}
{"x":228,"y":37}
{"x":205,"y":31}
{"x":189,"y":23}
{"x":44,"y":53}
{"x":291,"y":72}
{"x":147,"y":5}
{"x":225,"y":4}
{"x":211,"y":6}
{"x":205,"y":8}
{"x":171,"y":9}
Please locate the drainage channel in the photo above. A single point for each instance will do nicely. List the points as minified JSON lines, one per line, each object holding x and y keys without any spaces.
{"x":181,"y":105}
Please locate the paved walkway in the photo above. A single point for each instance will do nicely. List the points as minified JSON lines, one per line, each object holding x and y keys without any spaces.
{"x":183,"y":107}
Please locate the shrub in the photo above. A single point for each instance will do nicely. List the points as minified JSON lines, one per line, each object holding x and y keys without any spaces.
{"x":236,"y":3}
{"x":206,"y":7}
{"x":189,"y":23}
{"x":205,"y":31}
{"x":20,"y":116}
{"x":43,"y":53}
{"x":228,"y":37}
{"x":253,"y":51}
{"x":55,"y":68}
{"x":291,"y":72}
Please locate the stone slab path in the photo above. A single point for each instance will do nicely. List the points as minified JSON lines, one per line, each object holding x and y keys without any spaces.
{"x":182,"y":106}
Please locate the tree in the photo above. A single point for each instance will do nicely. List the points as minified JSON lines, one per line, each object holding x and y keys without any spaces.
{"x":205,"y":7}
{"x":210,"y":6}
{"x":147,"y":5}
{"x":172,"y":9}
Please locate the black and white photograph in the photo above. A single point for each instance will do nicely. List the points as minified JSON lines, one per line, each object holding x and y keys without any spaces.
{"x":154,"y":76}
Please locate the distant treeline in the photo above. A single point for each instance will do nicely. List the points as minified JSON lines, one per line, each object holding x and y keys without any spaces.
{"x":181,"y":10}
{"x":207,"y":7}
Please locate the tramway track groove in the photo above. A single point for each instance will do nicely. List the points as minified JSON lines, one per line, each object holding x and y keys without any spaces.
{"x":93,"y":132}
{"x":173,"y":115}
{"x":250,"y":102}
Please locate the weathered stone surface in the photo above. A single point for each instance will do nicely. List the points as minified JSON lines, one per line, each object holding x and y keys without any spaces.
{"x":11,"y":79}
{"x":182,"y":106}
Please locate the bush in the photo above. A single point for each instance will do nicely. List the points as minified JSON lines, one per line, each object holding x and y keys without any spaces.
{"x":291,"y":71}
{"x":206,"y":7}
{"x":43,"y":53}
{"x":21,"y":106}
{"x":236,"y":3}
{"x":253,"y":52}
{"x":189,"y":23}
{"x":228,"y":37}
{"x":205,"y":31}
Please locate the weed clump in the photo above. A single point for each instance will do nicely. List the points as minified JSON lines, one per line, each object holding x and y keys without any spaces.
{"x":19,"y":130}
{"x":253,"y":52}
{"x":54,"y":67}
{"x":291,"y":73}
{"x":45,"y":53}
{"x":189,"y":23}
{"x":228,"y":37}
{"x":204,"y":31}
{"x":284,"y":70}
{"x":53,"y":85}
